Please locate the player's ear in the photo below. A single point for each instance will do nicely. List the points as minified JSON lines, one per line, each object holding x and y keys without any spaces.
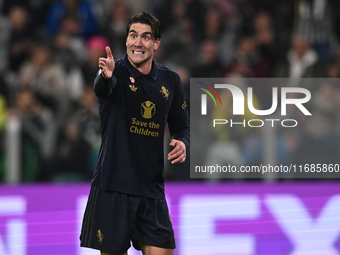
{"x":156,"y":44}
{"x":126,"y":40}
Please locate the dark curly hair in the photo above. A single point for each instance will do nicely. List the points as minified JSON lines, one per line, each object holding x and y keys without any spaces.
{"x":147,"y":19}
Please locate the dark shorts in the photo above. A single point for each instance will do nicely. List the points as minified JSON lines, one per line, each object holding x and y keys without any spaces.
{"x":113,"y":219}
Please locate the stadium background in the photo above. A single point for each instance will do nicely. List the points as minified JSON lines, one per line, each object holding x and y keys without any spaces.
{"x":49,"y":123}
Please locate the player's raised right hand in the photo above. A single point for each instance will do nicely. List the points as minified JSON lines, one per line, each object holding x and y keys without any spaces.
{"x":107,"y":65}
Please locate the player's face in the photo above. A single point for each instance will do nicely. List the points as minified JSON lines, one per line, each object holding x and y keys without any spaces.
{"x":140,"y":45}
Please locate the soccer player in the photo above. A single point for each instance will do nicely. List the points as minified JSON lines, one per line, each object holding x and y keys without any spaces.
{"x":137,"y":98}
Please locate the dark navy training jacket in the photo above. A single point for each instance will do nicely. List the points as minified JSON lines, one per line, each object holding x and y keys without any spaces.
{"x":134,"y":109}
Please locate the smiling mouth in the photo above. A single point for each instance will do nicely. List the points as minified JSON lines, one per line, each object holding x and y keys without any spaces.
{"x":140,"y":53}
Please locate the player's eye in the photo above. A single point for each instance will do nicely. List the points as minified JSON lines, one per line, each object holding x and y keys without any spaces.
{"x":146,"y":37}
{"x":133,"y":36}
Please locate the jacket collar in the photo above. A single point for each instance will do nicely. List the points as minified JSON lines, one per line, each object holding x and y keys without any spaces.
{"x":135,"y":73}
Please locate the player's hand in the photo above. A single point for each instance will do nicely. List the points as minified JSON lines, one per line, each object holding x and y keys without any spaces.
{"x":179,"y":152}
{"x":107,"y":65}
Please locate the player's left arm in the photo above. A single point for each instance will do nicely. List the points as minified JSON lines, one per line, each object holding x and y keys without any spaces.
{"x":178,"y":122}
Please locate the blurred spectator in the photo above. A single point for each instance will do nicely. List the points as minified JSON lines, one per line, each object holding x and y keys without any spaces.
{"x":100,"y":11}
{"x":3,"y":118}
{"x":248,"y":62}
{"x":265,"y":37}
{"x":179,"y":40}
{"x":164,"y":11}
{"x":37,"y":10}
{"x":72,"y":155}
{"x":72,"y":16}
{"x":4,"y":89}
{"x":267,"y":46}
{"x":314,"y":22}
{"x":219,"y":29}
{"x":21,"y":38}
{"x":209,"y":64}
{"x":46,"y":78}
{"x":213,"y":25}
{"x":334,"y":69}
{"x":282,"y":16}
{"x":95,"y":48}
{"x":231,"y":15}
{"x":195,"y":11}
{"x":5,"y":28}
{"x":134,"y":6}
{"x":38,"y":129}
{"x":115,"y":28}
{"x":63,"y":51}
{"x":192,"y":10}
{"x":335,"y":10}
{"x":302,"y":61}
{"x":87,"y":115}
{"x":67,"y":59}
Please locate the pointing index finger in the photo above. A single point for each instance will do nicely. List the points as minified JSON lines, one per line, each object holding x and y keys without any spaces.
{"x":108,"y":52}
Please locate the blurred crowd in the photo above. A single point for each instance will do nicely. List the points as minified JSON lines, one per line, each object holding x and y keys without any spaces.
{"x":49,"y":58}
